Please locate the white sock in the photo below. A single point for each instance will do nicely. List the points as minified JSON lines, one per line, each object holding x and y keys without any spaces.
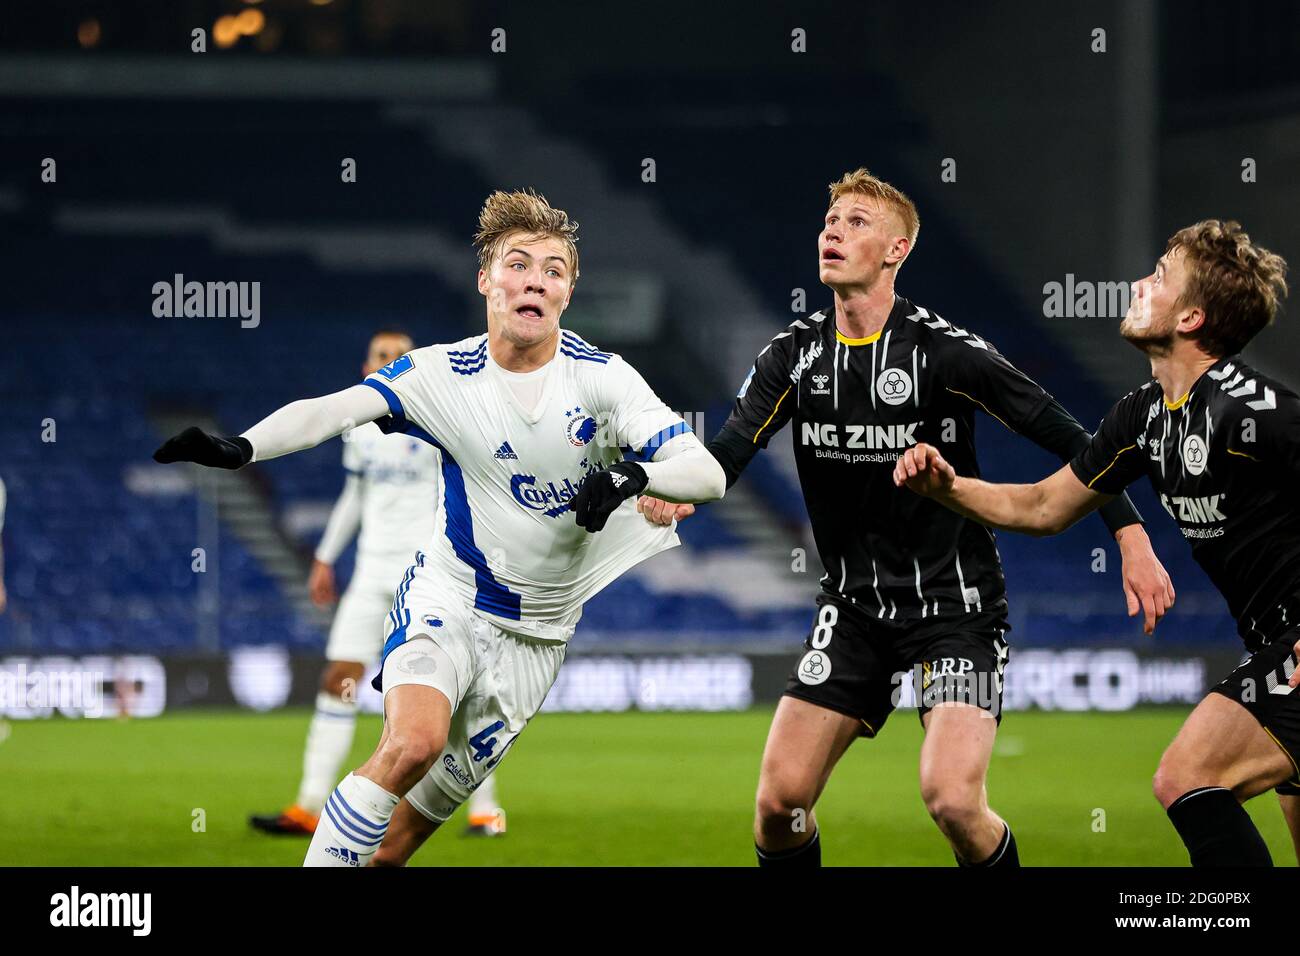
{"x":483,"y":801}
{"x":328,"y":743}
{"x":353,"y":825}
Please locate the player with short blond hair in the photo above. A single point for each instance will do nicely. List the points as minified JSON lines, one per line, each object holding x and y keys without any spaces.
{"x":530,"y":420}
{"x":1220,"y":442}
{"x":908,"y":586}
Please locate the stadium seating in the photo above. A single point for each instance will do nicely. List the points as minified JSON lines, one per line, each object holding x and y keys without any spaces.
{"x":98,"y":552}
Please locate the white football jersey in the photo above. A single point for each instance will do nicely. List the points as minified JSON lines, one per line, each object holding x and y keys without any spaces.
{"x":399,"y":491}
{"x":506,"y":537}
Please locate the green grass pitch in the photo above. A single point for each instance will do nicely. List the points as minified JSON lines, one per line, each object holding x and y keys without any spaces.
{"x":579,"y":789}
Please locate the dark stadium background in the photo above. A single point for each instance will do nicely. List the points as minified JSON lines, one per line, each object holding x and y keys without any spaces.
{"x":1070,"y":161}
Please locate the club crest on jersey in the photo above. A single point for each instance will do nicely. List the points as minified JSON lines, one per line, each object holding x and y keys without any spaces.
{"x":580,"y":429}
{"x":1195,"y":454}
{"x":894,"y":386}
{"x":819,"y":385}
{"x":397,"y":367}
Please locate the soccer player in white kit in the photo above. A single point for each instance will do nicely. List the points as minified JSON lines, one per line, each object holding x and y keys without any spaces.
{"x":531,"y":421}
{"x":390,"y":494}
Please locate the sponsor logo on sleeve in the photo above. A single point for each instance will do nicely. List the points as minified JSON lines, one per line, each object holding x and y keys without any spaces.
{"x":397,"y":368}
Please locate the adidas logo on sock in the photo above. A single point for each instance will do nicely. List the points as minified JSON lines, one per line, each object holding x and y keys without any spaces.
{"x":347,"y":856}
{"x":505,"y":451}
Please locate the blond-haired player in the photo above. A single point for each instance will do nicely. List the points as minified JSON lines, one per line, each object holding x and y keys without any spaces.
{"x":909,"y":588}
{"x":530,"y":420}
{"x":390,"y":493}
{"x":1220,"y":442}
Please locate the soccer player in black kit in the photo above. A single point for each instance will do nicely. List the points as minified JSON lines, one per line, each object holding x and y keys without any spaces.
{"x":1221,"y":445}
{"x":908,"y":584}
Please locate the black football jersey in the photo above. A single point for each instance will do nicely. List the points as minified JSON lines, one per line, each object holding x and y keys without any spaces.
{"x":1224,"y":460}
{"x":854,"y":406}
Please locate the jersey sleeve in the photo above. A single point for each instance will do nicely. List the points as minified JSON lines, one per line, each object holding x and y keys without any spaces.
{"x":1113,"y":459}
{"x":1267,"y":429}
{"x":415,"y":386}
{"x":974,"y":370}
{"x":636,"y":419}
{"x":763,"y":404}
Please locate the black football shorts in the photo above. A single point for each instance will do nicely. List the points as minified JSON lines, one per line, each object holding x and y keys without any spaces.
{"x":1259,"y":684}
{"x":859,"y":665}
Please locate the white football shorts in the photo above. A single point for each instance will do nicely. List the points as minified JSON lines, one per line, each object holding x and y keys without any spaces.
{"x":357,"y":632}
{"x":495,"y":679}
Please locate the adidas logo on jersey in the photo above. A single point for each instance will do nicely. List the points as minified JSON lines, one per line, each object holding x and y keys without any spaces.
{"x":505,"y":451}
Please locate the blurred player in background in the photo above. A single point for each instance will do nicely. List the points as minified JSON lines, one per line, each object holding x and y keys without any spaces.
{"x":390,"y":494}
{"x":4,"y":597}
{"x":908,"y":586}
{"x":530,"y":421}
{"x":1221,"y":444}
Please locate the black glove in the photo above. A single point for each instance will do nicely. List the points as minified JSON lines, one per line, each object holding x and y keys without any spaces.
{"x":603,"y":491}
{"x":196,"y":445}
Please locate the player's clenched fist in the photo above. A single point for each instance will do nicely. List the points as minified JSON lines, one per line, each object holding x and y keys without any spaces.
{"x":603,"y":491}
{"x":196,"y":445}
{"x":923,"y":470}
{"x":658,"y":511}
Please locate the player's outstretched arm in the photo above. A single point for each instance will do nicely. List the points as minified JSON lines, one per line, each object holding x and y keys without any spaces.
{"x":1045,"y":508}
{"x":298,"y":425}
{"x":682,"y":471}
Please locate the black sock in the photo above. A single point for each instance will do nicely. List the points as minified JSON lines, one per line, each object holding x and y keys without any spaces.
{"x":807,"y":854}
{"x":1006,"y":855}
{"x":1217,"y":829}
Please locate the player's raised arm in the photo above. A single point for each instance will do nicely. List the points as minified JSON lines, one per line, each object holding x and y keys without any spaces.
{"x":298,"y":425}
{"x":1044,"y":508}
{"x":982,"y":375}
